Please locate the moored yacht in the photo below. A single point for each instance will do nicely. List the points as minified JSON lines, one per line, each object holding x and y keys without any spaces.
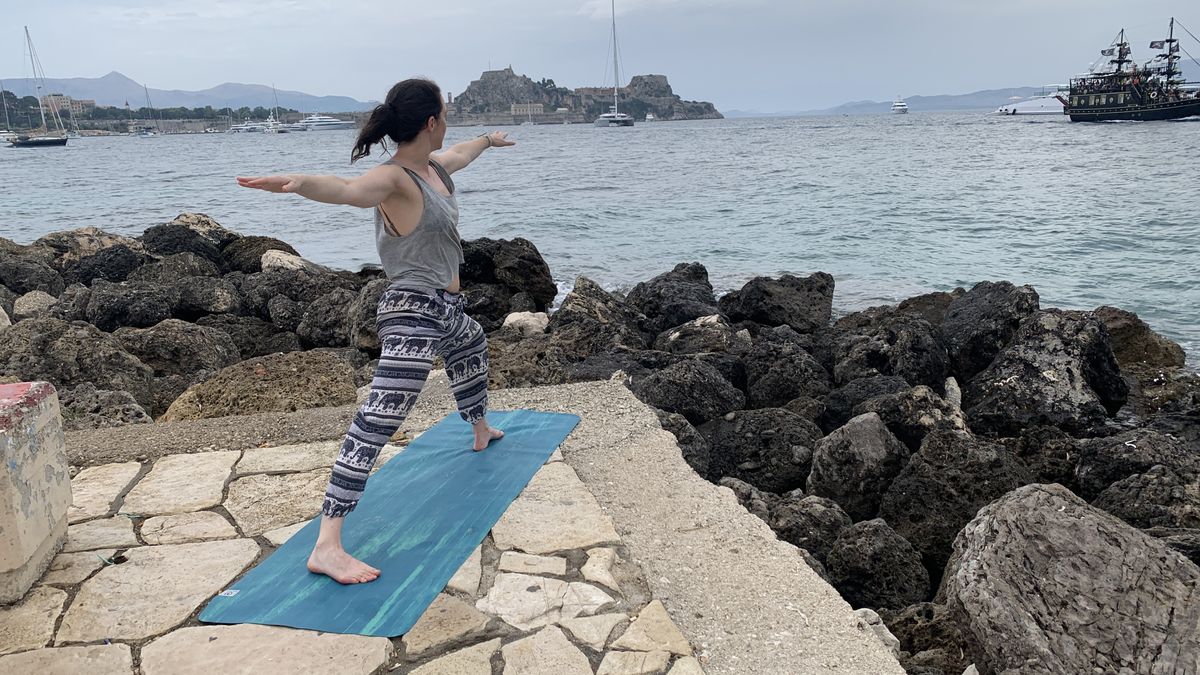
{"x":612,"y":118}
{"x":325,"y":122}
{"x":899,"y":107}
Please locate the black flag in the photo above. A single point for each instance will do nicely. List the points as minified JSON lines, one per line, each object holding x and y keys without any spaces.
{"x":1108,"y":52}
{"x":1157,"y":44}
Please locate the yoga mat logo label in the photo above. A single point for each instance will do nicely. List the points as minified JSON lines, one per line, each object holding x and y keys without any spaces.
{"x":229,"y":593}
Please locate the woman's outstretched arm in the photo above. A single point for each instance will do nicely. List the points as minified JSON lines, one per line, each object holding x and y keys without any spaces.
{"x":459,"y":155}
{"x":365,"y":191}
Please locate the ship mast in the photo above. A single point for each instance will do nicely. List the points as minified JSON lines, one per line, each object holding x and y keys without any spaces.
{"x":616,"y":75}
{"x":1171,"y":54}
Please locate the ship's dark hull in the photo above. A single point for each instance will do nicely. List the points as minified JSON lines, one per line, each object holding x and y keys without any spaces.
{"x":38,"y":142}
{"x":1168,"y":110}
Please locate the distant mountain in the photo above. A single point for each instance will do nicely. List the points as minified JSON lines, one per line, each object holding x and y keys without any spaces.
{"x":115,"y":89}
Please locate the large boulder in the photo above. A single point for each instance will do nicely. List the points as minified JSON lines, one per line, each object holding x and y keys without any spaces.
{"x":706,"y":334}
{"x":362,"y":315}
{"x":873,"y":566}
{"x":86,"y":407}
{"x":500,"y":276}
{"x":303,"y":285}
{"x":1135,"y":344}
{"x":71,"y":354}
{"x":113,"y":263}
{"x":67,"y":248}
{"x":982,"y":322}
{"x":22,"y":274}
{"x":690,"y":388}
{"x":805,"y":304}
{"x":758,"y":502}
{"x":275,"y":383}
{"x":778,"y":372}
{"x":1161,"y":497}
{"x":675,"y":298}
{"x":253,"y":336}
{"x":208,"y":228}
{"x":886,"y":341}
{"x":912,"y":413}
{"x":770,"y":448}
{"x":72,"y":303}
{"x":176,"y":347}
{"x":692,"y":445}
{"x":113,"y":305}
{"x":1050,"y":454}
{"x":516,"y":360}
{"x":174,"y":268}
{"x":855,"y":464}
{"x":245,"y":254}
{"x":177,"y":237}
{"x":593,"y":321}
{"x":928,"y":628}
{"x":1058,"y":370}
{"x":931,"y":306}
{"x":840,"y":403}
{"x":943,"y":486}
{"x":33,"y":304}
{"x":1042,"y":583}
{"x":1104,"y":461}
{"x":201,"y":296}
{"x":808,"y":522}
{"x":325,"y":320}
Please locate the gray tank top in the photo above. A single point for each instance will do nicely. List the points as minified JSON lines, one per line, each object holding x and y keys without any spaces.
{"x":429,"y":257}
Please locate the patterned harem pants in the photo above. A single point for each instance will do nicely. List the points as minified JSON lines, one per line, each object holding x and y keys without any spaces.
{"x":414,"y":326}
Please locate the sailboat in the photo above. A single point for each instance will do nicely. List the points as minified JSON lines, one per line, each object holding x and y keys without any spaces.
{"x":614,"y":117}
{"x":6,"y":134}
{"x":147,"y":131}
{"x":46,"y":137}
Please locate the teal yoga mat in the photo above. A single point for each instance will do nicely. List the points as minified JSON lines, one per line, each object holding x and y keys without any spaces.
{"x":420,"y":518}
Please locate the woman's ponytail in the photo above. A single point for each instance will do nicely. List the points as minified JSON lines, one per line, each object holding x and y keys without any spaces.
{"x":402,"y":115}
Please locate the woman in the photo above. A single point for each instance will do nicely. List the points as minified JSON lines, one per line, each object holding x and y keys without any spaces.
{"x":420,"y":314}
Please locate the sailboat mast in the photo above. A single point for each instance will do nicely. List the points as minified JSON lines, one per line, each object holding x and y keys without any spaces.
{"x":1170,"y":53}
{"x":616,"y":75}
{"x":33,"y":63}
{"x":7,"y":124}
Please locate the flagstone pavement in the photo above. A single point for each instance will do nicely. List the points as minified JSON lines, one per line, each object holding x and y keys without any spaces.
{"x":553,"y":589}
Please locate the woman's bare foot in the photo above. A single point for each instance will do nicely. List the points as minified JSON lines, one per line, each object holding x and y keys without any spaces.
{"x":484,"y":435}
{"x":340,"y":566}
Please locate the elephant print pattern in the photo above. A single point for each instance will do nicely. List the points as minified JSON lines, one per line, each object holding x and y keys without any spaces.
{"x":414,"y":327}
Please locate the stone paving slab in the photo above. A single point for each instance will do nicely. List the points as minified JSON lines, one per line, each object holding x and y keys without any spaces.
{"x":634,"y":663}
{"x":303,"y":457}
{"x":512,"y":561}
{"x":447,"y":620}
{"x":548,"y":651}
{"x":96,"y":488}
{"x":474,"y":660}
{"x":29,"y":623}
{"x":182,"y":483}
{"x":526,"y":601}
{"x":653,"y":630}
{"x":185,"y":528}
{"x":466,"y":579}
{"x":262,"y":503}
{"x":71,"y":568}
{"x":593,"y":631}
{"x":252,"y":649}
{"x":115,"y":532}
{"x":157,"y":589}
{"x":114,"y":659}
{"x":280,"y":535}
{"x":553,"y":513}
{"x":598,"y":568}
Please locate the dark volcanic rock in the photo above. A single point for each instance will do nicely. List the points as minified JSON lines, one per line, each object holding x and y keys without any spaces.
{"x":176,"y":237}
{"x":943,"y":486}
{"x":805,"y":304}
{"x":982,"y":322}
{"x":1043,"y":583}
{"x":510,"y":267}
{"x":810,"y":523}
{"x":286,"y":313}
{"x":72,"y":304}
{"x":245,"y":254}
{"x":22,"y":274}
{"x":1104,"y":461}
{"x":201,"y":296}
{"x":706,"y":334}
{"x":913,"y":413}
{"x":924,"y":627}
{"x":693,"y":389}
{"x":114,"y":263}
{"x":516,"y":360}
{"x":886,"y":341}
{"x":364,"y":334}
{"x":674,"y":298}
{"x":756,"y":501}
{"x":176,"y":347}
{"x":691,"y":444}
{"x":1134,"y":343}
{"x":1051,"y":455}
{"x":302,"y":285}
{"x":807,"y":407}
{"x":325,"y":320}
{"x":206,"y":227}
{"x":777,"y":372}
{"x":111,"y":306}
{"x":174,"y":268}
{"x":1058,"y":370}
{"x":1161,"y":497}
{"x":873,"y":566}
{"x":70,"y":354}
{"x":855,"y":464}
{"x":63,"y":249}
{"x":770,"y":448}
{"x":253,"y":336}
{"x":1185,"y":541}
{"x":86,"y":407}
{"x":840,"y":403}
{"x":931,"y":306}
{"x":593,"y":321}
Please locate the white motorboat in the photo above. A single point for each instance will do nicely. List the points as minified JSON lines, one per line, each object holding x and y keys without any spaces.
{"x":247,"y":128}
{"x":1048,"y":102}
{"x":650,"y":117}
{"x":324,"y":123}
{"x":899,"y":107}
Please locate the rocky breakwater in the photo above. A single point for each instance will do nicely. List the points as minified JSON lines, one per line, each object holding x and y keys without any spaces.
{"x":1004,"y":485}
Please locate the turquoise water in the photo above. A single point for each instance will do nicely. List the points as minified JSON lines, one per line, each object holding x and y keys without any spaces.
{"x":892,"y":206}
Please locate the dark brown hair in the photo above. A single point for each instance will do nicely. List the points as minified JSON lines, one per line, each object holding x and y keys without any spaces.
{"x":402,"y":115}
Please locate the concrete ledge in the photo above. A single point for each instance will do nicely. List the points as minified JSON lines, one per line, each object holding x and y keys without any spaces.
{"x":35,"y":486}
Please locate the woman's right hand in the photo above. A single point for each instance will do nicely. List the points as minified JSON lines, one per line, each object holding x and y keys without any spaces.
{"x":287,"y":183}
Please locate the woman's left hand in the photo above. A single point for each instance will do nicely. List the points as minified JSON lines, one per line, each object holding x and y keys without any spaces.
{"x":499,"y":139}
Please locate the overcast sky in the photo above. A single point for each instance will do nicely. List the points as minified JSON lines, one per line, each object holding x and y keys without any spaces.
{"x":767,"y":55}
